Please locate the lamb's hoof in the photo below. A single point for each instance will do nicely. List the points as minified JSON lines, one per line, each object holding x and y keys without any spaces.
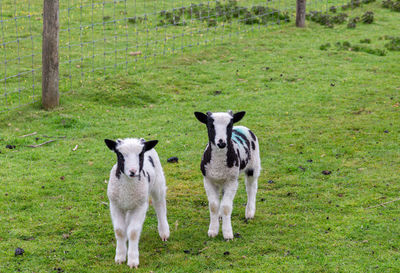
{"x":212,"y":233}
{"x":119,"y":260}
{"x":133,"y":264}
{"x":228,"y":237}
{"x":164,"y":236}
{"x":249,"y":215}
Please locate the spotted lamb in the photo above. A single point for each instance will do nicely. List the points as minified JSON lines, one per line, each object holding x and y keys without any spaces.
{"x":229,"y":152}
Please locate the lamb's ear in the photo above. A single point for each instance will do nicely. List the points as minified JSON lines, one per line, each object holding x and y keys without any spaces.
{"x":111,"y":144}
{"x":238,"y":116}
{"x":148,"y":145}
{"x":201,"y":117}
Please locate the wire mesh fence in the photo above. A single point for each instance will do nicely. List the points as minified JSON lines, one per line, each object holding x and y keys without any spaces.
{"x":99,"y":37}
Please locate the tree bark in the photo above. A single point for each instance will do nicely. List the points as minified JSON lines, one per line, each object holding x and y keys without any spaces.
{"x":301,"y":13}
{"x":50,"y":61}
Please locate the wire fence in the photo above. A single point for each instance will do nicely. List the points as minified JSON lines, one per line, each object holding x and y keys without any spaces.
{"x":100,"y":37}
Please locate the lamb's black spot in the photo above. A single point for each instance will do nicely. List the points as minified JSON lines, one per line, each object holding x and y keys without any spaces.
{"x":231,"y":157}
{"x":211,"y":129}
{"x":120,"y":164}
{"x":148,"y":177}
{"x":206,"y":159}
{"x":250,"y":172}
{"x":241,"y":141}
{"x":252,"y":135}
{"x":253,"y":146}
{"x":243,"y":164}
{"x":141,"y":159}
{"x":151,"y":161}
{"x":238,"y":158}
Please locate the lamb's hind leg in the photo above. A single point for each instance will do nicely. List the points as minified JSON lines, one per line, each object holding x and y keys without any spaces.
{"x":118,"y":219}
{"x":160,"y":206}
{"x":251,"y":189}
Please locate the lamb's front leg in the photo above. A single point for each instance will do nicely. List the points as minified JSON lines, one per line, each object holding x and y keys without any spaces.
{"x":229,"y":190}
{"x":118,"y":219}
{"x":135,"y":223}
{"x":213,"y":202}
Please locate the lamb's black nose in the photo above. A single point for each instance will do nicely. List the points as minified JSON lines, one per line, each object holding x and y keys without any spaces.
{"x":131,"y":173}
{"x":221,"y":144}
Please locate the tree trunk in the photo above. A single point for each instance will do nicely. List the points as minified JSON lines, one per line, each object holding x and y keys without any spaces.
{"x":301,"y":13}
{"x":50,"y":93}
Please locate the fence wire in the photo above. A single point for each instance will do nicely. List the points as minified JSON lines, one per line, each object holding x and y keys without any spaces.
{"x":101,"y":37}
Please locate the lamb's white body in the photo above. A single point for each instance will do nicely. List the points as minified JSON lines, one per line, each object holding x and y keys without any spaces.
{"x":129,"y":198}
{"x":221,"y":167}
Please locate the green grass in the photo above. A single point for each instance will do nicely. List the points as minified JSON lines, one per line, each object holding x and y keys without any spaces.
{"x":99,"y":36}
{"x":303,"y":103}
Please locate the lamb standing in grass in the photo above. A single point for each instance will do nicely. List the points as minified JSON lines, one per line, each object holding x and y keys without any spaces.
{"x":137,"y":174}
{"x":230,"y":151}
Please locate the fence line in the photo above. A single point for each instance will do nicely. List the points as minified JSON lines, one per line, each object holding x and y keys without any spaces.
{"x":98,"y":37}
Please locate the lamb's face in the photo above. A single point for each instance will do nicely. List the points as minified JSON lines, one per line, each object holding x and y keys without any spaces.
{"x":131,"y":151}
{"x":130,"y":154}
{"x":219,"y":126}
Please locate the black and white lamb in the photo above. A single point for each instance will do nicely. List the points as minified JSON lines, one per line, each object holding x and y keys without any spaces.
{"x":136,"y":175}
{"x":229,"y":152}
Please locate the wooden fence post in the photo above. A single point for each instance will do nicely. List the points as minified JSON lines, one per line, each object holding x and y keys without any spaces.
{"x":301,"y":13}
{"x":50,"y":92}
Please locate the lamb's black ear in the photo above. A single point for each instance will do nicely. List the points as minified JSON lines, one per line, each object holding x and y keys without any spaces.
{"x":148,"y":145}
{"x":238,"y":116}
{"x":201,"y":117}
{"x":111,"y":144}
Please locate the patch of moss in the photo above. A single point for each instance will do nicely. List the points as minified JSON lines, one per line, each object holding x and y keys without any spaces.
{"x":368,"y":17}
{"x":223,"y":13}
{"x":325,"y":46}
{"x":394,"y":44}
{"x":365,"y":41}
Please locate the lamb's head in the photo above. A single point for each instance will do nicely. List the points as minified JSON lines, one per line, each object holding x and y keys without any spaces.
{"x":219,"y":126}
{"x":130,"y":154}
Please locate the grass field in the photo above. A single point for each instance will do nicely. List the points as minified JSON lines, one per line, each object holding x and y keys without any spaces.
{"x":100,"y":37}
{"x":312,"y":110}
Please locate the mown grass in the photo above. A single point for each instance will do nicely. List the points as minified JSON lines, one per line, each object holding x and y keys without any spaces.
{"x":339,"y":109}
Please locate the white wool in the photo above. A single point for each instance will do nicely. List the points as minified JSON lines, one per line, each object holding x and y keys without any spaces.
{"x":129,"y":199}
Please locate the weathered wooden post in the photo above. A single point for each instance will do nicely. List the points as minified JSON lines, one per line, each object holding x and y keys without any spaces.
{"x":50,"y":92}
{"x":301,"y":13}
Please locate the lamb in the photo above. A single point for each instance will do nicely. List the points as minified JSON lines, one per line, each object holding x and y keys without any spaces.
{"x":136,"y":175}
{"x":229,"y":152}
